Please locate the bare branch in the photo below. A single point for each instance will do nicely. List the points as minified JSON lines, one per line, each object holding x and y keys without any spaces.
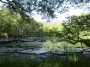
{"x":3,"y":1}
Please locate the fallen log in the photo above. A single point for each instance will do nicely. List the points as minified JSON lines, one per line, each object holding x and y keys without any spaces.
{"x":10,"y":41}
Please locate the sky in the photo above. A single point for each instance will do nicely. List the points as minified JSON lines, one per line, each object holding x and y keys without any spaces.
{"x":0,"y":4}
{"x":72,"y":10}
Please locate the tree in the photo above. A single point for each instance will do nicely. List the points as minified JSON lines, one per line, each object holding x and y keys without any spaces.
{"x":13,"y":24}
{"x":45,"y":7}
{"x":75,"y":28}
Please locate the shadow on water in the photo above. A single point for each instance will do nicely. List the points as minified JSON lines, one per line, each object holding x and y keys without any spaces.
{"x":41,"y":48}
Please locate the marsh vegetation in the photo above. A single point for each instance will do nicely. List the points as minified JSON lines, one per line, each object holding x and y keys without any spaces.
{"x":26,"y":42}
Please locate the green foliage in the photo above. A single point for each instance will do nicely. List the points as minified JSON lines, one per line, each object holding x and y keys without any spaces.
{"x":51,"y":61}
{"x":44,"y":7}
{"x":52,"y":29}
{"x":77,"y":27}
{"x":17,"y":24}
{"x":14,"y":23}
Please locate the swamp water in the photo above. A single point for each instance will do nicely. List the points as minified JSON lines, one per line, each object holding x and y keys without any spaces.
{"x":38,"y":50}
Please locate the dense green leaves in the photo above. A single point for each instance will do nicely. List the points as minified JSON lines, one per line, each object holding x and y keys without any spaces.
{"x":77,"y":28}
{"x":44,"y":7}
{"x":16,"y":24}
{"x":19,"y":23}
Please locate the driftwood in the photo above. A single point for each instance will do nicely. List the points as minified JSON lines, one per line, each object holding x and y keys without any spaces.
{"x":85,"y":41}
{"x":10,"y":41}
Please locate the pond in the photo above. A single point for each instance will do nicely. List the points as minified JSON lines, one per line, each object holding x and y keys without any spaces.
{"x":41,"y":49}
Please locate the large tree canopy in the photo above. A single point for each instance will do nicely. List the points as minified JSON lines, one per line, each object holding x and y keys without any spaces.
{"x":46,"y":8}
{"x":77,"y":29}
{"x":13,"y":24}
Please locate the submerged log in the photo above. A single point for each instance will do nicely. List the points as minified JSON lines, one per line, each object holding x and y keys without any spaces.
{"x":10,"y":41}
{"x":85,"y":41}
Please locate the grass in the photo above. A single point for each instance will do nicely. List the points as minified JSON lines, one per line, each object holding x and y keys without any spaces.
{"x":51,"y":61}
{"x":61,"y":45}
